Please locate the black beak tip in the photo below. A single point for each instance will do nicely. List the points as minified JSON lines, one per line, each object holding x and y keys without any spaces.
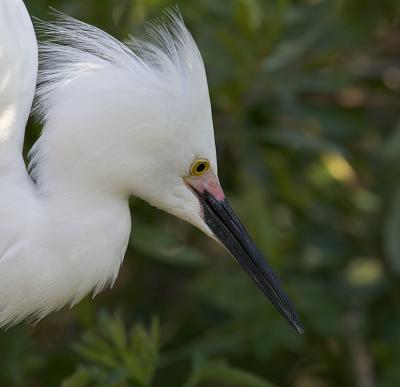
{"x":297,"y":325}
{"x":289,"y":314}
{"x":225,"y":225}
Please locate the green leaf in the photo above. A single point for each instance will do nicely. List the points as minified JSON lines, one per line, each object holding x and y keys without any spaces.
{"x":248,"y":15}
{"x":219,"y":371}
{"x":142,"y":363}
{"x":302,"y":142}
{"x":80,"y":378}
{"x":120,"y":356}
{"x":164,"y":247}
{"x":392,"y":233}
{"x":391,"y":148}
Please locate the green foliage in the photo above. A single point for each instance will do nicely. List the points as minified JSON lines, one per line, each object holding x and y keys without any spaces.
{"x":117,"y":357}
{"x":306,"y":106}
{"x":221,"y":372}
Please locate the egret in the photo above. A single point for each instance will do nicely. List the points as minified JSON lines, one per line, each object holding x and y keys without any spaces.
{"x":119,"y":119}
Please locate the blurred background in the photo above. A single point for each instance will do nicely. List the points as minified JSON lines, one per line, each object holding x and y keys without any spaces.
{"x":306,"y":106}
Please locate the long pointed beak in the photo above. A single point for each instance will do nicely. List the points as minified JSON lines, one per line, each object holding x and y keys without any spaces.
{"x":223,"y":222}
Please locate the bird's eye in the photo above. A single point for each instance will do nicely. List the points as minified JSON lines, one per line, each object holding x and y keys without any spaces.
{"x":199,"y":167}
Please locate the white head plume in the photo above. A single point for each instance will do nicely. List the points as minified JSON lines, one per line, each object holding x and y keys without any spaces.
{"x":146,"y":98}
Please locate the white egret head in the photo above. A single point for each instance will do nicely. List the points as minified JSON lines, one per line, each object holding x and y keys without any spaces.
{"x":136,"y":116}
{"x":137,"y":120}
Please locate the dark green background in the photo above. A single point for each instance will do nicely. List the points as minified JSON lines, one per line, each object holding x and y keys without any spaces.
{"x":306,"y":106}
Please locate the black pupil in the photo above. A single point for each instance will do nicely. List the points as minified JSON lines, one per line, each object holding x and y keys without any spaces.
{"x":200,"y":167}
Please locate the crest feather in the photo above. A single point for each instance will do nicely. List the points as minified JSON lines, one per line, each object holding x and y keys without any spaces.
{"x":166,"y":57}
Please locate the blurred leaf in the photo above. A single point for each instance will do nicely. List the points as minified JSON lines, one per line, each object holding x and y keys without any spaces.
{"x":219,"y":371}
{"x":165,"y":247}
{"x":80,"y":378}
{"x":391,"y":147}
{"x":248,"y":14}
{"x":123,"y":357}
{"x":392,"y":233}
{"x":364,"y":272}
{"x":299,"y":141}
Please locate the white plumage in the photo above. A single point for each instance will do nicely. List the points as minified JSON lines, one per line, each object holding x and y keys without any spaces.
{"x":103,"y":106}
{"x":119,"y":120}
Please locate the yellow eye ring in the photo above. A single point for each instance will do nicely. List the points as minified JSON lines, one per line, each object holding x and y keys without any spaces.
{"x":199,"y":167}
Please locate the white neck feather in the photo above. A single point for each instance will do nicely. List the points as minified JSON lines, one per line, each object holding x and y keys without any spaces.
{"x":104,"y":107}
